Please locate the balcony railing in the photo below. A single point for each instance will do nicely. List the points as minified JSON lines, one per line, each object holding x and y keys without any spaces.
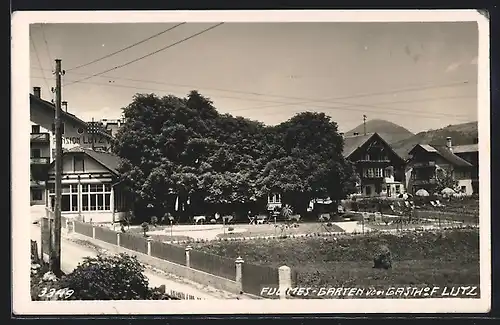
{"x":424,"y":164}
{"x":429,"y":181}
{"x":373,"y":161}
{"x":40,"y":137}
{"x":40,"y":161}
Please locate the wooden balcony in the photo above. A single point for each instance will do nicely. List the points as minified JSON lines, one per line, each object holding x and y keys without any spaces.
{"x":40,"y":161}
{"x":430,"y":181}
{"x":424,"y":164}
{"x":40,"y":137}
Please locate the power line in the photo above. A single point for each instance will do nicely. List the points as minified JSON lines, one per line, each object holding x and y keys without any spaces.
{"x":147,"y":55}
{"x":40,"y":64}
{"x":396,"y":91}
{"x":46,"y":43}
{"x":352,"y":107}
{"x":125,"y":48}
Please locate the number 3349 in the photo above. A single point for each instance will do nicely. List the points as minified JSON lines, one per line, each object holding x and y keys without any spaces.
{"x":53,"y":292}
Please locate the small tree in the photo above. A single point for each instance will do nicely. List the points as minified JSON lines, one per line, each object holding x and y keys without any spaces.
{"x":444,"y":179}
{"x":145,"y":228}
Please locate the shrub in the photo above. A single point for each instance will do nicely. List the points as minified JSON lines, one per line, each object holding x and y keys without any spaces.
{"x":145,"y":228}
{"x":382,"y":258}
{"x":154,"y":221}
{"x":118,"y":277}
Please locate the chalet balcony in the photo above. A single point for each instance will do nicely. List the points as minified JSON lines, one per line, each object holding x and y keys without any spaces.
{"x":40,"y":137}
{"x":430,"y":181}
{"x":40,"y":161}
{"x":425,"y":164}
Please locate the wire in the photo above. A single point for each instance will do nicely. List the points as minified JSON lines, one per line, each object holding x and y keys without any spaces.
{"x":282,"y":104}
{"x":40,"y":63}
{"x":46,"y":43}
{"x":125,"y":48}
{"x":353,"y":107}
{"x":147,"y":55}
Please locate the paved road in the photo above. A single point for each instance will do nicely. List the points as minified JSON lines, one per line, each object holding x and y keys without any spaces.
{"x":72,"y":254}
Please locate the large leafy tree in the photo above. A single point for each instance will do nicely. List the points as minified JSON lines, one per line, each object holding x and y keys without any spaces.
{"x":305,"y":161}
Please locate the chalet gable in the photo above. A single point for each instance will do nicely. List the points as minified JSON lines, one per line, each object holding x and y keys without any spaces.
{"x":366,"y":146}
{"x":91,"y":162}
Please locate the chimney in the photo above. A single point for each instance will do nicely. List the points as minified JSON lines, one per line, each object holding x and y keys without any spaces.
{"x":355,"y":133}
{"x":64,"y":106}
{"x":448,"y":143}
{"x":37,"y":92}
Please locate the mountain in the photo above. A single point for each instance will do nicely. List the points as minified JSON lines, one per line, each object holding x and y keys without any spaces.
{"x":389,"y":131}
{"x":464,"y":133}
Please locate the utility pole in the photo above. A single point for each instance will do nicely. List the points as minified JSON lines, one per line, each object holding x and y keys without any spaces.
{"x":55,"y":252}
{"x":364,"y":124}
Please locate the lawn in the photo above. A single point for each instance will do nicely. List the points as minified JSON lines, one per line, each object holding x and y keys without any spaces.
{"x":441,"y":258}
{"x":272,"y":230}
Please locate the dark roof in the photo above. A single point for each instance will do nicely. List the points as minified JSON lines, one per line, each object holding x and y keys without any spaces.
{"x":70,"y":116}
{"x":466,"y":148}
{"x":352,"y":143}
{"x":107,"y":159}
{"x":451,"y":157}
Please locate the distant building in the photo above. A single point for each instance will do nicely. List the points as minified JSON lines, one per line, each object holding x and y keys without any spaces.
{"x":42,"y":140}
{"x":111,"y":126}
{"x":380,"y":169}
{"x":461,"y":161}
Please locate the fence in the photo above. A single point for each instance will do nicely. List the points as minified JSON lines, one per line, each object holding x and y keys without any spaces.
{"x":213,"y":264}
{"x":83,"y":228}
{"x":448,"y":218}
{"x":106,"y":235}
{"x":250,"y":277}
{"x":134,"y":242}
{"x":255,"y":277}
{"x":168,"y":252}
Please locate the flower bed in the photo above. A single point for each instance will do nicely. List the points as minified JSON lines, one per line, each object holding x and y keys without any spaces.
{"x":420,"y":257}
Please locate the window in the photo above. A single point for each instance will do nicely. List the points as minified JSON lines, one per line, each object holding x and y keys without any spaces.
{"x":367,"y":156}
{"x":96,"y":197}
{"x":274,"y":198}
{"x":78,"y":163}
{"x":54,"y":128}
{"x":36,"y":194}
{"x":462,"y":189}
{"x":368,"y":190}
{"x":69,"y":197}
{"x":36,"y":153}
{"x":387,"y":173}
{"x":398,"y":189}
{"x":370,"y":172}
{"x":35,"y":129}
{"x":378,"y":172}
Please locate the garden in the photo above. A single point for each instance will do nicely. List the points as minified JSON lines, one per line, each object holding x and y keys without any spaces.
{"x":433,"y":258}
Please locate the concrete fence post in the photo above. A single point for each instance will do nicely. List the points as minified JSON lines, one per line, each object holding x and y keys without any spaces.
{"x":285,"y":280}
{"x":239,"y":272}
{"x":93,"y":232}
{"x":149,"y":239}
{"x":188,"y":249}
{"x":118,"y":239}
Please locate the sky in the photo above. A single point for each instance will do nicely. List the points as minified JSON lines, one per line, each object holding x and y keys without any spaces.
{"x":419,"y":75}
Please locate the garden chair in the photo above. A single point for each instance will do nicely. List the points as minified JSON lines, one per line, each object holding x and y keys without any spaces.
{"x":324,"y":217}
{"x":295,"y":218}
{"x":227,"y":219}
{"x":439,"y":204}
{"x":261,"y":219}
{"x":252,"y":220}
{"x":433,"y":204}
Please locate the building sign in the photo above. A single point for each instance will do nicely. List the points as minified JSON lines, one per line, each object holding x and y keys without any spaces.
{"x":84,"y":139}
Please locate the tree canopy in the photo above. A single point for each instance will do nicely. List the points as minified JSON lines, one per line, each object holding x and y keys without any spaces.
{"x":182,"y":147}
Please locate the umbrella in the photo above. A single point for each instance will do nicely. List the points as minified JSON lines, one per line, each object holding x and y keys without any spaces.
{"x":422,"y":192}
{"x":447,"y":191}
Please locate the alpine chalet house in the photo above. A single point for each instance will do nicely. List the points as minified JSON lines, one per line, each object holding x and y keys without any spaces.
{"x":91,"y":190}
{"x":380,"y":169}
{"x":42,"y":141}
{"x":460,"y":161}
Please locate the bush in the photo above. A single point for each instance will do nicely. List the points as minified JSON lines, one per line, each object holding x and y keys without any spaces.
{"x":382,"y":258}
{"x":118,"y":277}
